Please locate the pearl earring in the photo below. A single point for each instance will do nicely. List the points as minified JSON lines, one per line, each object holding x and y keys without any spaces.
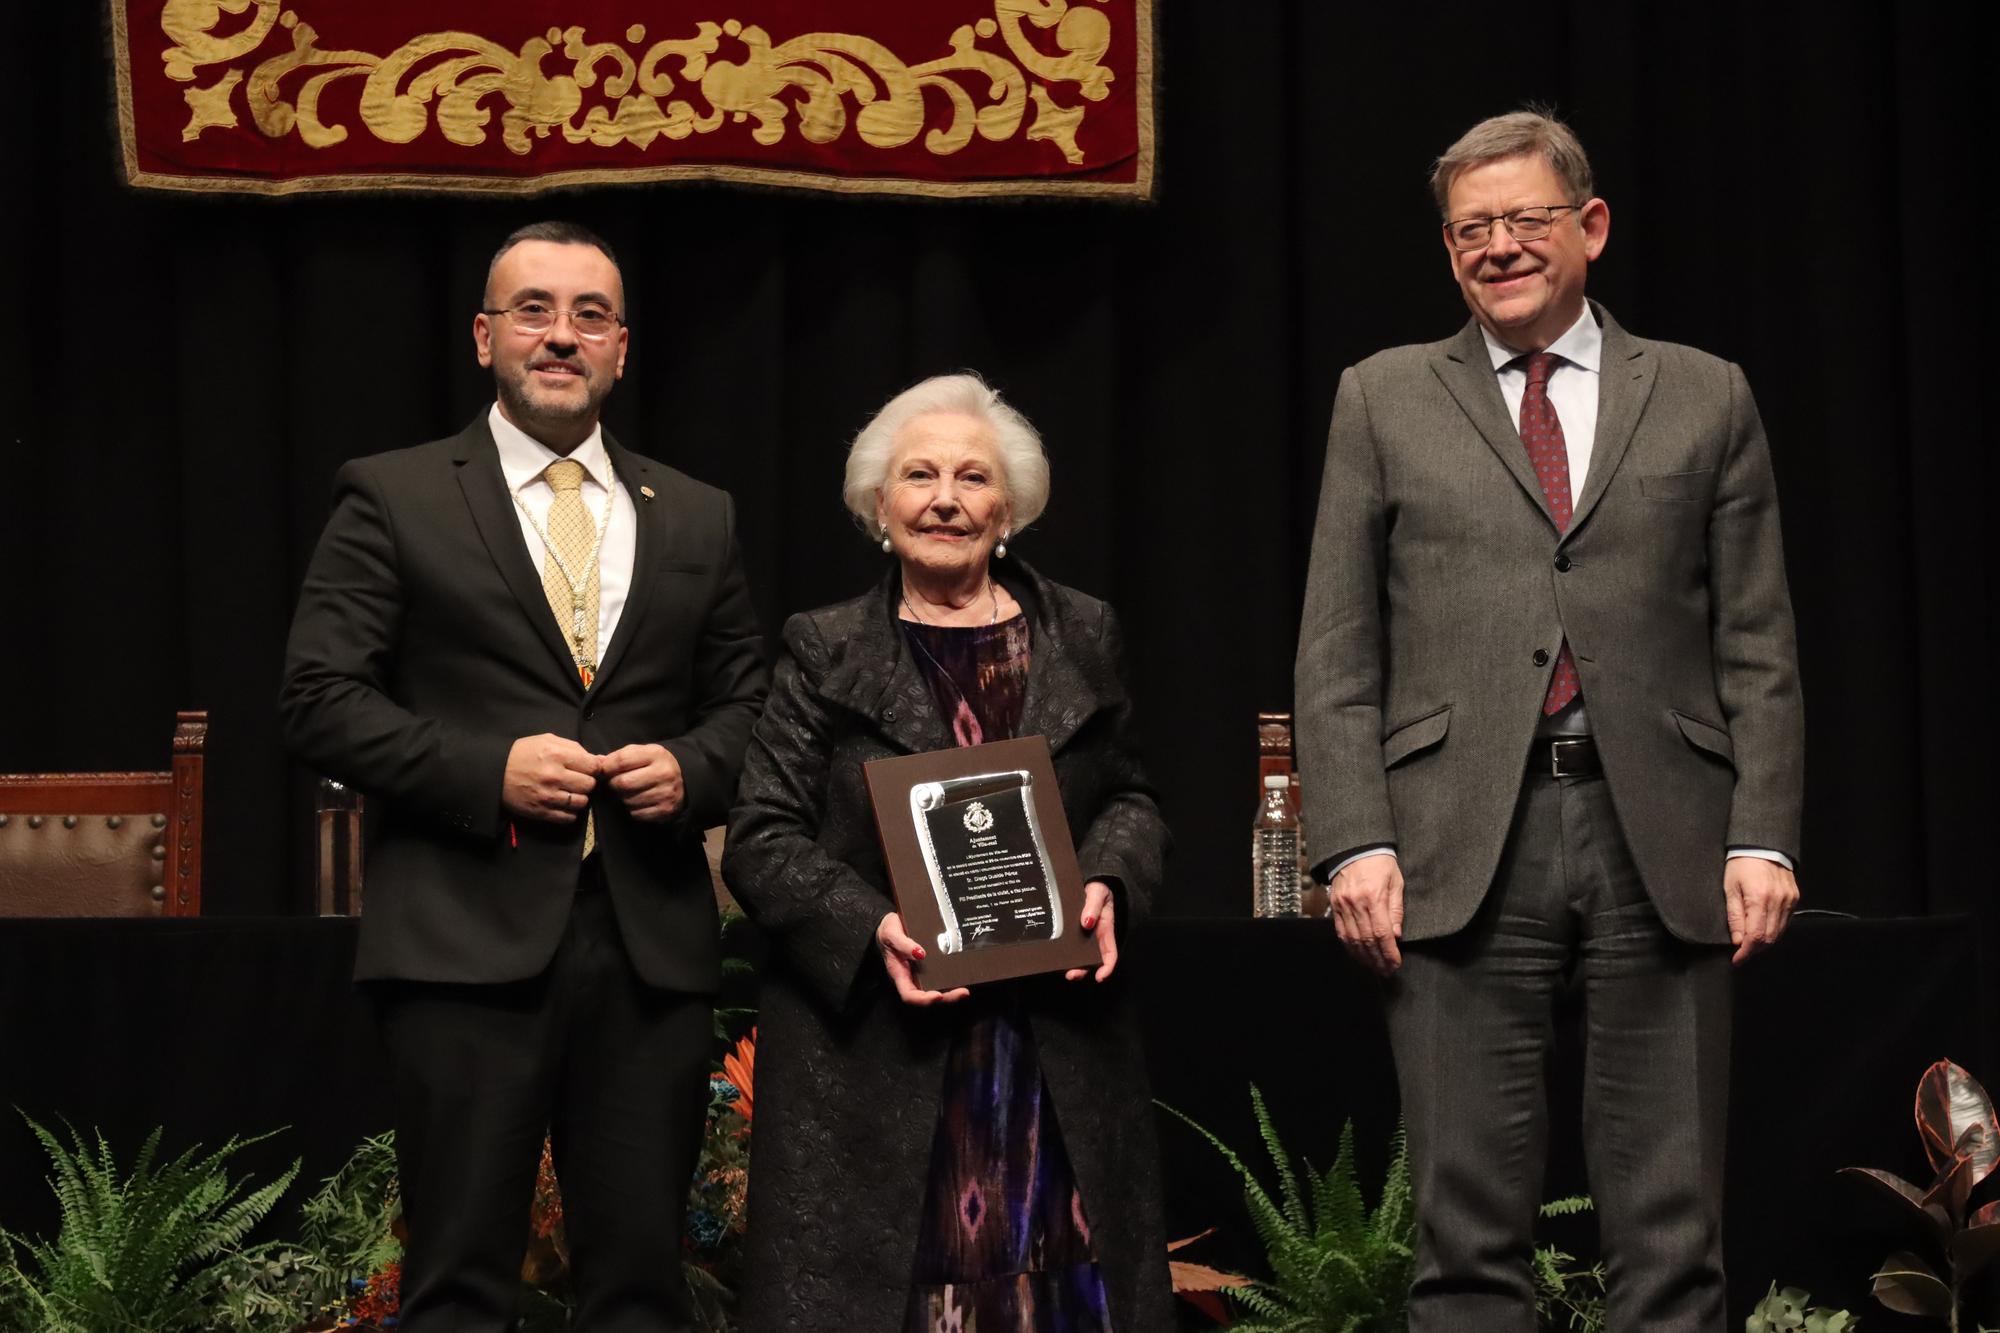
{"x":888,"y":547}
{"x":1000,"y":551}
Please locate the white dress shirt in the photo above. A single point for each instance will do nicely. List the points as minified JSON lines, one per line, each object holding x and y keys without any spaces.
{"x":1572,"y":389}
{"x":523,"y":459}
{"x":1573,"y":385}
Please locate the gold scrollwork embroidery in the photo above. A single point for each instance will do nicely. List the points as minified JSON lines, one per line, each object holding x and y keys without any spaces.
{"x":462,"y":74}
{"x":191,"y":23}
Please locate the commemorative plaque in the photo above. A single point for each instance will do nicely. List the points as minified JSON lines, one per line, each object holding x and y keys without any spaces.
{"x":980,"y":858}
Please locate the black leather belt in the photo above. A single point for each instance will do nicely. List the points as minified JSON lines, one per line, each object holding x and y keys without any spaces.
{"x":1565,"y":757}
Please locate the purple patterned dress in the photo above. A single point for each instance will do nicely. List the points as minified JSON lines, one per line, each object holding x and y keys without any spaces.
{"x":1004,"y":1243}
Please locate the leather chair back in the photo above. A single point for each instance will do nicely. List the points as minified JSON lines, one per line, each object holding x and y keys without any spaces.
{"x":106,"y":844}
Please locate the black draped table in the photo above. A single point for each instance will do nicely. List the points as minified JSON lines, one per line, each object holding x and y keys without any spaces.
{"x":238,"y":1026}
{"x":207,"y":1027}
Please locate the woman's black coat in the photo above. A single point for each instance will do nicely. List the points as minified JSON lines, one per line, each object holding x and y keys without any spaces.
{"x":848,"y":1078}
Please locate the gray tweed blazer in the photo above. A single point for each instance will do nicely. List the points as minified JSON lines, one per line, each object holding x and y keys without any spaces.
{"x":1440,"y":590}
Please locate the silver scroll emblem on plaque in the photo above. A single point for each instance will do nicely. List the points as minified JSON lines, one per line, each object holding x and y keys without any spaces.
{"x":988,"y":863}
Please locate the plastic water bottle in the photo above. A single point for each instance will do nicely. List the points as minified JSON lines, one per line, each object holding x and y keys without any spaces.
{"x":1274,"y":849}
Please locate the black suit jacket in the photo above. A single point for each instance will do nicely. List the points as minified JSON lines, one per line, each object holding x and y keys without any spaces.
{"x":424,"y":647}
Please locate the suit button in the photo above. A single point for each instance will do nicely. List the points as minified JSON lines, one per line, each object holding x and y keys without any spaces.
{"x":888,"y":715}
{"x":589,"y":714}
{"x":1541,"y":657}
{"x":1562,"y":564}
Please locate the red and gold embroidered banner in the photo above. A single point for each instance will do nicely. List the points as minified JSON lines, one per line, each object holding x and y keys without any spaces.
{"x":932,"y":97}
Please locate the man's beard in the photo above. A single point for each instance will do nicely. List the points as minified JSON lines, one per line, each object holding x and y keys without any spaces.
{"x":524,"y":408}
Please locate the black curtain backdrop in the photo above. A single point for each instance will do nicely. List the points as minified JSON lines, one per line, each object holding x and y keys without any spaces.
{"x":1790,"y":187}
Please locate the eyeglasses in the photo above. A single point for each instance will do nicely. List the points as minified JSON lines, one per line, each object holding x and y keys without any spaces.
{"x":589,"y":321}
{"x":1523,"y":224}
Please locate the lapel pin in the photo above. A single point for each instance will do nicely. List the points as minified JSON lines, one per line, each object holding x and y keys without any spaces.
{"x":646,"y":491}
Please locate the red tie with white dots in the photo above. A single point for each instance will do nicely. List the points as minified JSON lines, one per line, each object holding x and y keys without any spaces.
{"x":1542,"y":432}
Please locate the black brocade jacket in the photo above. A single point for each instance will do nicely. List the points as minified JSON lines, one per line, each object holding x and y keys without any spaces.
{"x":848,"y":1077}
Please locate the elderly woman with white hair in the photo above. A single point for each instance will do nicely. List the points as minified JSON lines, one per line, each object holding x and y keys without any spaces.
{"x":929,"y":1162}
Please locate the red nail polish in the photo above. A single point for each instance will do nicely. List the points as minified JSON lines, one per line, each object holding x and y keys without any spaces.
{"x":1088,"y":922}
{"x":918,"y":952}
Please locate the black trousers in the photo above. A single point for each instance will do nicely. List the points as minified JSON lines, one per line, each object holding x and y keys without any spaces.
{"x":1471,"y":1023}
{"x":613,"y":1070}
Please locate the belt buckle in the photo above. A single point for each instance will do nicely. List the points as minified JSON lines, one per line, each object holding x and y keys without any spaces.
{"x":1557,"y":748}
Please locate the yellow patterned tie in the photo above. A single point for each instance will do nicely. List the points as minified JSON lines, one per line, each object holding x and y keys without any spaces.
{"x":572,"y":536}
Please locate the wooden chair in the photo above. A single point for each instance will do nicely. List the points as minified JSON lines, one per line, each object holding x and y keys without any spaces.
{"x":106,"y":844}
{"x":711,"y":843}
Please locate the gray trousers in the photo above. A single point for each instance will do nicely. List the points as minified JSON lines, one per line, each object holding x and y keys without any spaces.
{"x":1470,"y":1019}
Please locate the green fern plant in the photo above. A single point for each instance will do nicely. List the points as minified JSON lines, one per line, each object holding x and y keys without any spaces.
{"x":349,"y":1224}
{"x":1336,"y":1267}
{"x":151,"y":1250}
{"x":347,"y":1233}
{"x":731,"y":1021}
{"x":1568,"y":1297}
{"x":272,"y":1293}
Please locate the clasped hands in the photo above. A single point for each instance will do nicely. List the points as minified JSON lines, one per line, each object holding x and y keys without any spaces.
{"x":1367,"y":906}
{"x":900,"y":952}
{"x":550,"y":778}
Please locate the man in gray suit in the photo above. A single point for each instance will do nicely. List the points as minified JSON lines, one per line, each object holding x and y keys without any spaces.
{"x":1550,"y":722}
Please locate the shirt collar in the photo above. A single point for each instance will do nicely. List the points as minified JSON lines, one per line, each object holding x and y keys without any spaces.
{"x":1581,"y":346}
{"x":523,"y":458}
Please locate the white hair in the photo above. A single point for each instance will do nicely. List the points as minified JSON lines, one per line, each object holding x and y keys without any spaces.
{"x":1024,"y":467}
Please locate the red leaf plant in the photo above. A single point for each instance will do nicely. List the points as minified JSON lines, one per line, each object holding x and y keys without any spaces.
{"x":739,"y":1067}
{"x":380,"y":1298}
{"x":1955,"y":1119}
{"x":546,"y":1216}
{"x":547,"y":1259}
{"x":1202,"y":1286}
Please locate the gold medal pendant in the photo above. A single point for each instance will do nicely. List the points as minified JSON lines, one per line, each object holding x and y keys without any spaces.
{"x":570,"y":549}
{"x":587,"y":670}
